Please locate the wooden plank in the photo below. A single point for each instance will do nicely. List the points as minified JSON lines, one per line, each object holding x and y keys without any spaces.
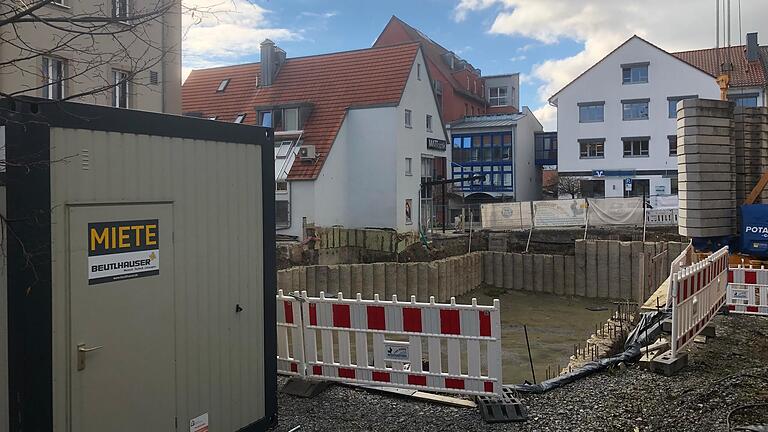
{"x":660,"y":294}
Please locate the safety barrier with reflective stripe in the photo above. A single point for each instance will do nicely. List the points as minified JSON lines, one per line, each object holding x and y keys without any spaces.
{"x":290,"y":335}
{"x":683,"y":260}
{"x":446,"y":348}
{"x":748,"y":275}
{"x":698,"y":292}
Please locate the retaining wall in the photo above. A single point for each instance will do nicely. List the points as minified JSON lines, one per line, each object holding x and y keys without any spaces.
{"x":605,"y":269}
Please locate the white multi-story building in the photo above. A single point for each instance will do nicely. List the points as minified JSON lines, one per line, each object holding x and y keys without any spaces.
{"x":616,"y":126}
{"x":356,"y":132}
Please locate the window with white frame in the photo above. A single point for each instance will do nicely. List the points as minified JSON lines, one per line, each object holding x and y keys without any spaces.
{"x":120,"y":8}
{"x":593,"y":148}
{"x":239,"y":118}
{"x":636,"y":73}
{"x":291,"y":119}
{"x":120,"y":89}
{"x":591,"y":112}
{"x":407,"y":118}
{"x":222,"y":85}
{"x":283,"y":148}
{"x":635,"y":109}
{"x":497,"y":96}
{"x":429,"y":123}
{"x":281,"y":186}
{"x":636,"y":146}
{"x":408,"y":166}
{"x":53,"y":76}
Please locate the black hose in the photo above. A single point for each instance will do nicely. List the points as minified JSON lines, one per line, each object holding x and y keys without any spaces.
{"x":646,"y":331}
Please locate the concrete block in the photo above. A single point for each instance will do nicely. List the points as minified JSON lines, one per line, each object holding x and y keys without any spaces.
{"x":333,"y":279}
{"x":322,"y":279}
{"x":538,"y":272}
{"x":704,"y":130}
{"x":569,"y":276}
{"x":488,"y":278}
{"x":390,"y":279}
{"x":549,"y":274}
{"x":379,"y":280}
{"x":707,"y":204}
{"x":666,"y":365}
{"x":508,"y":271}
{"x":705,"y":140}
{"x":708,"y":195}
{"x":369,"y":285}
{"x":356,"y":279}
{"x":704,"y":121}
{"x":705,"y":232}
{"x":282,"y":281}
{"x":518,"y":281}
{"x":422,"y":286}
{"x":693,"y":146}
{"x":498,"y":269}
{"x":302,"y":279}
{"x":434,"y":281}
{"x":412,"y":279}
{"x":707,"y":186}
{"x":345,"y":281}
{"x":450,"y":280}
{"x":528,"y":269}
{"x":442,"y":282}
{"x":614,"y":270}
{"x":625,"y":279}
{"x":558,"y":272}
{"x":497,"y":242}
{"x":603,"y":266}
{"x":401,"y":283}
{"x":312,"y":281}
{"x":705,"y":222}
{"x":580,"y":268}
{"x":591,"y":269}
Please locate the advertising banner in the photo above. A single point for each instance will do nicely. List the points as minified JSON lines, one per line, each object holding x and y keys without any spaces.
{"x":506,"y":216}
{"x":615,"y":211}
{"x":123,"y":250}
{"x":560,"y":213}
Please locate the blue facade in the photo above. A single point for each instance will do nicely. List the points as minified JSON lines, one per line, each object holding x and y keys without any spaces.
{"x":487,"y":153}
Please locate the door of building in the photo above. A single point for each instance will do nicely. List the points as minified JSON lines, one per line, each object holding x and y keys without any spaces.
{"x":121,"y":317}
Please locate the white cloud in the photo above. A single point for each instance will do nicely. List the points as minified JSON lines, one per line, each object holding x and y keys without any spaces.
{"x":601,"y":25}
{"x":517,"y":58}
{"x":220,"y":31}
{"x":324,"y":15}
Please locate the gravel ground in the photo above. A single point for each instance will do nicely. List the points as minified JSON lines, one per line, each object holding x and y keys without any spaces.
{"x":728,"y":371}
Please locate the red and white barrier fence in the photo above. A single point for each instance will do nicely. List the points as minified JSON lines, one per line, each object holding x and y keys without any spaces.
{"x":748,"y":290}
{"x":446,"y":348}
{"x":685,"y":259}
{"x":698,"y":292}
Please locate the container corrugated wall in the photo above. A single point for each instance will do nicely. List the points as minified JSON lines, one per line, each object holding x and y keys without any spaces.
{"x":219,"y":357}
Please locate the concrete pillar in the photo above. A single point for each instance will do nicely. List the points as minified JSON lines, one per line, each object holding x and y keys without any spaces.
{"x":312,"y":281}
{"x":295,"y":279}
{"x":302,"y":279}
{"x":549,"y":274}
{"x":390,"y":279}
{"x":345,"y":280}
{"x":322,"y":279}
{"x":488,"y":268}
{"x":402,"y":281}
{"x":558,"y":274}
{"x":356,"y":278}
{"x":569,"y":275}
{"x":333,"y":280}
{"x":412,"y":280}
{"x":580,"y":268}
{"x":465,"y":272}
{"x":528,"y":277}
{"x":433,"y":281}
{"x":368,"y":286}
{"x":477,"y":269}
{"x":442,"y":281}
{"x":603,"y":269}
{"x":453,"y":277}
{"x":498,"y":269}
{"x":591,"y":269}
{"x":379,"y":280}
{"x":625,"y":279}
{"x":614,"y":270}
{"x":518,"y":281}
{"x":423,"y":281}
{"x":508,"y":271}
{"x":538,"y":273}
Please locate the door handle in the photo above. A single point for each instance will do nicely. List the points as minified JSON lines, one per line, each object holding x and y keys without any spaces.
{"x":82,"y":350}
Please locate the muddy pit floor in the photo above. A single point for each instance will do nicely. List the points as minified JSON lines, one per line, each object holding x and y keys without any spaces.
{"x":727,"y":372}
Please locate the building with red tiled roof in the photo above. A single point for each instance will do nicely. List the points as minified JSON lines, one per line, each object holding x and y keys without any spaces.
{"x":460,"y":87}
{"x":354,"y":131}
{"x":616,"y":122}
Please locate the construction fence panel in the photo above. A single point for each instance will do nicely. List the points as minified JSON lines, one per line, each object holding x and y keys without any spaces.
{"x":386,"y":343}
{"x":506,"y":216}
{"x":698,"y":292}
{"x":661,"y":217}
{"x":748,"y":290}
{"x":558,"y":213}
{"x":290,"y":335}
{"x":684,"y":259}
{"x":615,"y":211}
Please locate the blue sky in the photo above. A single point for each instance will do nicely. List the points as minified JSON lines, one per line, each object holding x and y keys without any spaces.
{"x":549,"y":42}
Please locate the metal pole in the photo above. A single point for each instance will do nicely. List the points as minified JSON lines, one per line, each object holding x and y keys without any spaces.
{"x":469,"y":248}
{"x":530,"y":359}
{"x":530,"y":232}
{"x":717,"y":23}
{"x":586,"y":219}
{"x":644,"y":216}
{"x":445,"y":209}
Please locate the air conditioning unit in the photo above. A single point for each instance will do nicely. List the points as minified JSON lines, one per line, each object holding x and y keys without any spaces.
{"x":307,"y":152}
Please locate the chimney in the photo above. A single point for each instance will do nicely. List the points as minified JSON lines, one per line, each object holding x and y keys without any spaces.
{"x":752,"y":47}
{"x":267,"y":63}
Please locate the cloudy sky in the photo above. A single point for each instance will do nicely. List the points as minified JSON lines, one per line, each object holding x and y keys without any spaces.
{"x":548,"y":41}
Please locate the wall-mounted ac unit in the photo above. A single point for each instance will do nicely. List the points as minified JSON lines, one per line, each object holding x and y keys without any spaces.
{"x":307,"y":152}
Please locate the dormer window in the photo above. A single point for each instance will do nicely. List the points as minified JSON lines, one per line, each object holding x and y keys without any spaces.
{"x":222,"y":85}
{"x":239,"y":118}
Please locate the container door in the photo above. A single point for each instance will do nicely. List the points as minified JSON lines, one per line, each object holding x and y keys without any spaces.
{"x":121,"y":318}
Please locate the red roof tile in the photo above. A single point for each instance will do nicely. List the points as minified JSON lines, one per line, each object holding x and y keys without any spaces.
{"x":331,"y":83}
{"x":744,"y":74}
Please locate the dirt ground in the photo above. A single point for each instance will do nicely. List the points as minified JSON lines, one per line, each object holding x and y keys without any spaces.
{"x":724,"y":377}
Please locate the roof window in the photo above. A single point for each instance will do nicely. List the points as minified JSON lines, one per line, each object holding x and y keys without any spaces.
{"x":239,"y":118}
{"x":223,"y":85}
